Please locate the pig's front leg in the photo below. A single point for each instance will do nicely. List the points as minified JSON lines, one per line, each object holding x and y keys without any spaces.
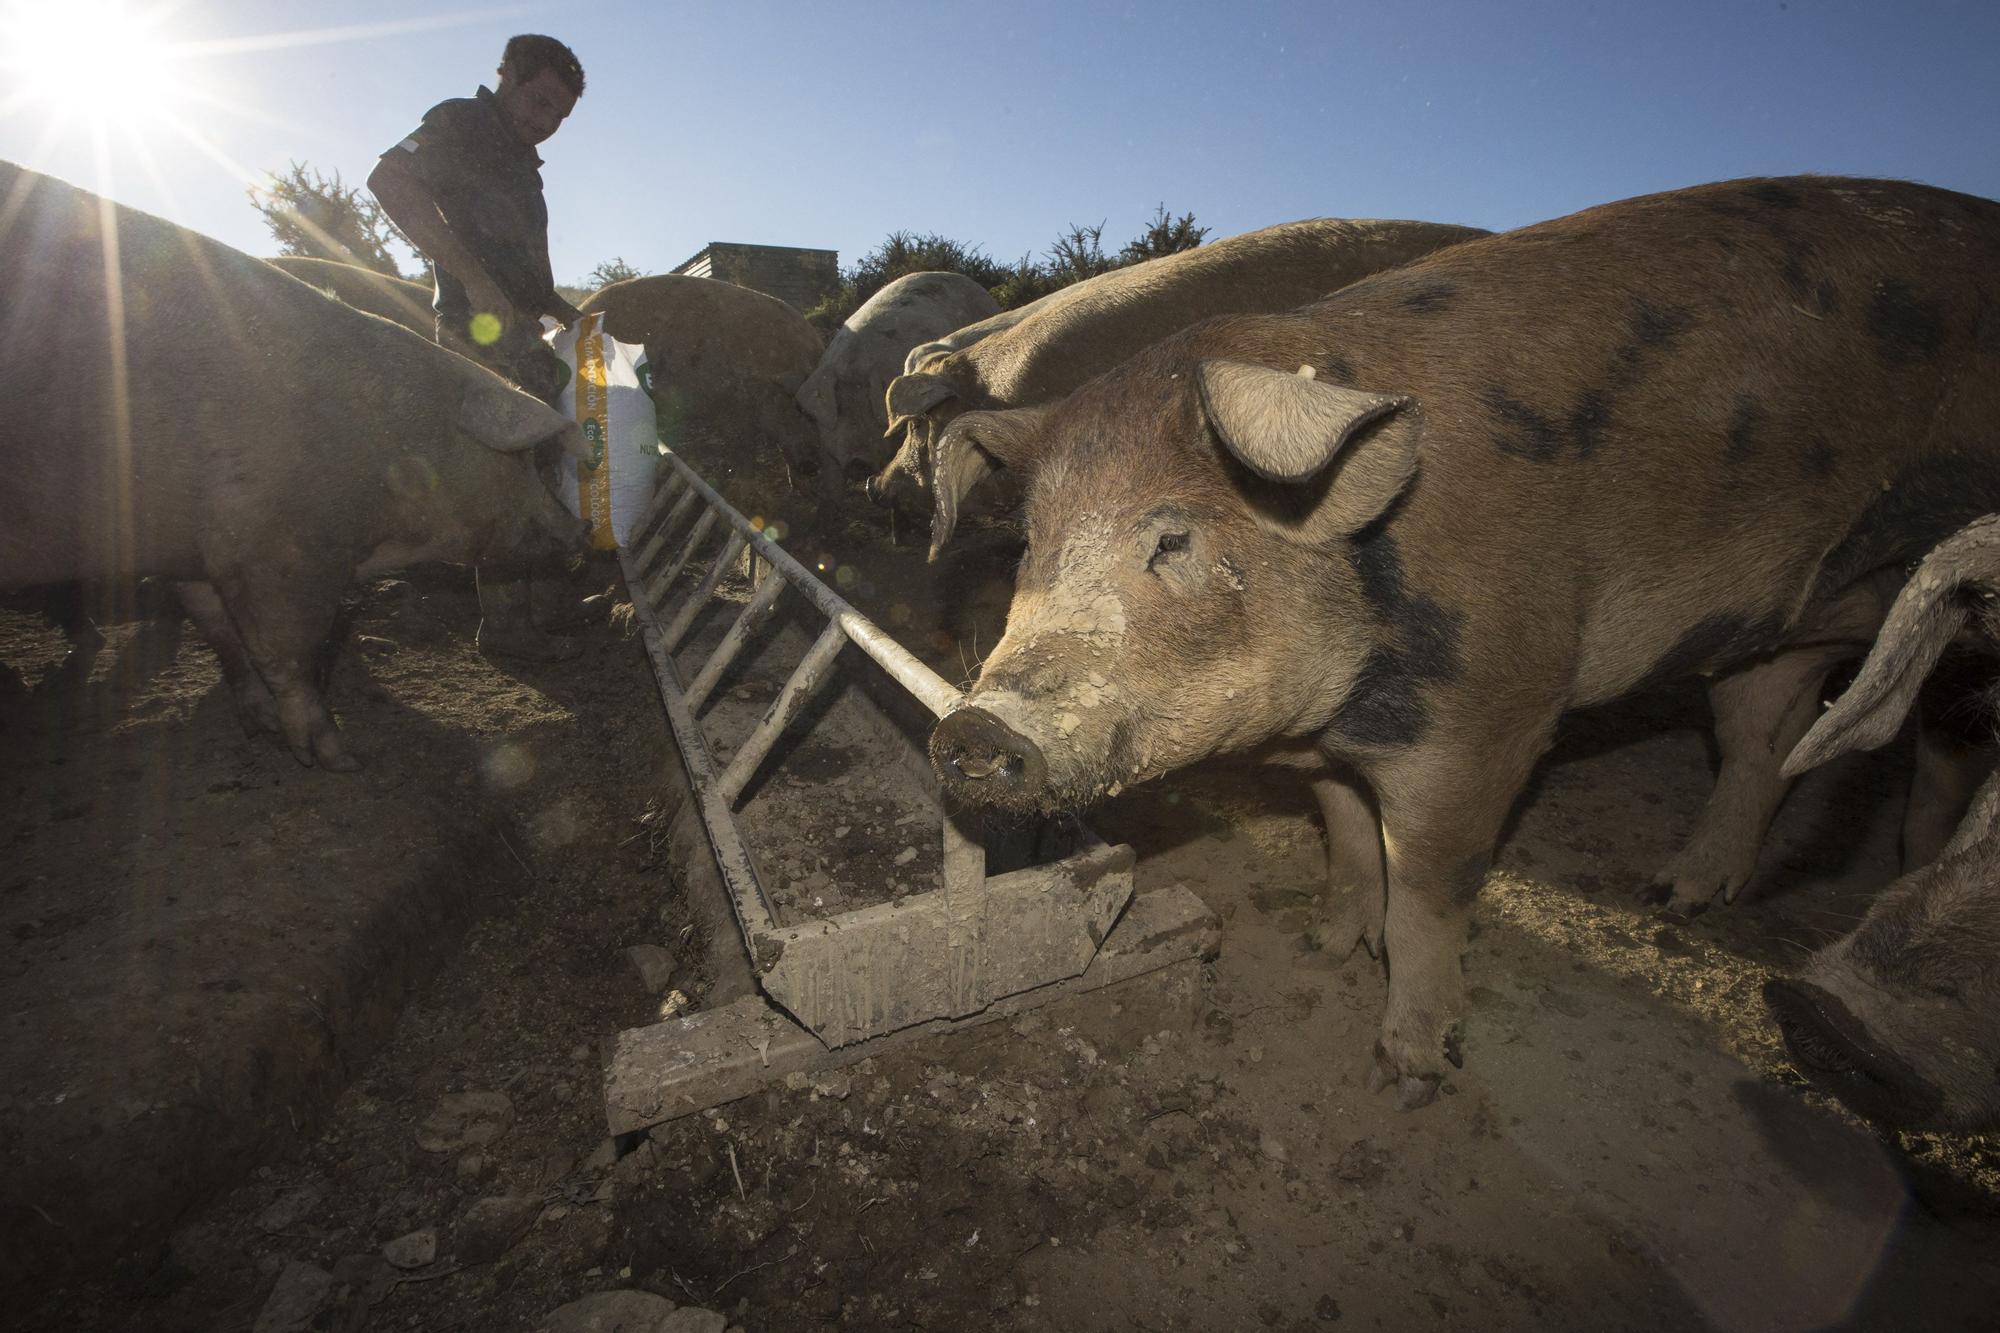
{"x":1442,"y":811}
{"x":284,"y":615}
{"x":255,"y":708}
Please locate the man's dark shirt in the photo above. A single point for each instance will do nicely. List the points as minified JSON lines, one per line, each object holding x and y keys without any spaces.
{"x":488,"y":186}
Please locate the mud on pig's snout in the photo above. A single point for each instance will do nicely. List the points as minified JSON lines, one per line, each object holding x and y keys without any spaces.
{"x":985,"y":759}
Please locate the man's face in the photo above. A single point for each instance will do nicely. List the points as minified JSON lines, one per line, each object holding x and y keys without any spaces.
{"x":534,"y":108}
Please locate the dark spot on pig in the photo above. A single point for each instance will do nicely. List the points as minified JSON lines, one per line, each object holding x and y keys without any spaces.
{"x":1527,"y":433}
{"x":1827,"y":297}
{"x":1655,"y":326}
{"x":1819,"y":458}
{"x":1933,"y":496}
{"x":1588,"y":420}
{"x":1715,"y":642}
{"x":1380,"y":569}
{"x":1470,"y":876}
{"x":1905,"y":325}
{"x":1524,"y":432}
{"x":1339,"y":369}
{"x":1386,"y":705}
{"x":1430,"y":298}
{"x":1774,"y":195}
{"x":1743,"y":423}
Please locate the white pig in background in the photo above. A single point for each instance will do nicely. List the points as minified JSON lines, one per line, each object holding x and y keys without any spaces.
{"x":844,"y":393}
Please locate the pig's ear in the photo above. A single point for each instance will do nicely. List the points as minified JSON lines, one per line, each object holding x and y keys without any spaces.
{"x":972,"y":448}
{"x":1927,"y":615}
{"x":501,"y":417}
{"x":913,"y":395}
{"x":1291,"y":429}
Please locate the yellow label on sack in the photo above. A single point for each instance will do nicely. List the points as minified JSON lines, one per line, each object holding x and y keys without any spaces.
{"x":593,"y":414}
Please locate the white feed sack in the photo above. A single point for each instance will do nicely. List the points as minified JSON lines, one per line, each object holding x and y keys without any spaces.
{"x":609,"y":395}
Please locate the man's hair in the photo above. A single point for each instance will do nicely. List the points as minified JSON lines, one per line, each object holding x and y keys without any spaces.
{"x":528,"y":54}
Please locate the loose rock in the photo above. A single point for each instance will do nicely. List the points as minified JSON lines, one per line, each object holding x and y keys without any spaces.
{"x":466,"y":1120}
{"x":414,"y":1250}
{"x":301,"y":1291}
{"x":288,"y":1210}
{"x":611,"y":1312}
{"x":655,"y":966}
{"x":491,"y":1226}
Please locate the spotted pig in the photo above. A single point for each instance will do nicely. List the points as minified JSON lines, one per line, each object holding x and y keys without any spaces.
{"x":1416,"y":522}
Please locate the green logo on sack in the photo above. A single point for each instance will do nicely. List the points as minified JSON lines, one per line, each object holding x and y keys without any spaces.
{"x":593,"y":435}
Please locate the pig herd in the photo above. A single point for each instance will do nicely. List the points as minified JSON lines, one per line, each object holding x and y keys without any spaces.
{"x":1379,"y":499}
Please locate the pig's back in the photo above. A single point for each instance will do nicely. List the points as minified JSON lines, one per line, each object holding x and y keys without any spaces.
{"x":1693,"y":416}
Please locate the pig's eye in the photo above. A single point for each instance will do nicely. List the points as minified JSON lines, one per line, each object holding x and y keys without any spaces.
{"x":1169,"y":545}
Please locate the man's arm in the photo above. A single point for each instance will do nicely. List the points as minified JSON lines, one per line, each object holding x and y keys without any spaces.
{"x":555,"y":307}
{"x":562,"y":311}
{"x":408,"y":201}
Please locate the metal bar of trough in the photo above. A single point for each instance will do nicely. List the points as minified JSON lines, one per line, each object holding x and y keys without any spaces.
{"x":670,"y":637}
{"x":651,"y":550}
{"x":814,"y":671}
{"x":732,"y":643}
{"x":929,"y":688}
{"x":754,"y":914}
{"x":657,"y":589}
{"x":657,"y":506}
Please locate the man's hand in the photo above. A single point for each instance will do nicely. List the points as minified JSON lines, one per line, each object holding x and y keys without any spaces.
{"x":487,"y":299}
{"x":562,"y":312}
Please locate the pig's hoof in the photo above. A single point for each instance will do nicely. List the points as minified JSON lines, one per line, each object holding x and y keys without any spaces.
{"x":1412,"y":1090}
{"x":334,"y":758}
{"x":1686,"y":909}
{"x":257,"y":711}
{"x":1352,"y":923}
{"x":1676,"y":901}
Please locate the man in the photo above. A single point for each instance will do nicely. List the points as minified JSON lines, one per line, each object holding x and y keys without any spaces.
{"x":466,"y":187}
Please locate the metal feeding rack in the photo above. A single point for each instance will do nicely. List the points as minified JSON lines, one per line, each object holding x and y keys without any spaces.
{"x":991,"y":940}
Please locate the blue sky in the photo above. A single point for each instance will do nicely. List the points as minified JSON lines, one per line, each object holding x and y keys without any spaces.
{"x":1001,"y":124}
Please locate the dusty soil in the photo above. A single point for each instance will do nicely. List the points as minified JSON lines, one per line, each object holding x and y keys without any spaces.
{"x":262,"y":984}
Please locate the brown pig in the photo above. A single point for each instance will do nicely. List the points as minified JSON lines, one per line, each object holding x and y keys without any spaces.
{"x":1901,"y":1017}
{"x":1415,"y":522}
{"x":726,"y":361}
{"x":170,"y":406}
{"x":1085,"y":329}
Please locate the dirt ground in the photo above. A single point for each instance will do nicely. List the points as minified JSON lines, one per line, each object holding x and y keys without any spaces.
{"x":244,"y":1003}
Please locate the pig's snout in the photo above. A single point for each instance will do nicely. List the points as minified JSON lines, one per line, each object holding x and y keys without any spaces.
{"x":1836,"y":1048}
{"x":984,"y":759}
{"x":875,"y":490}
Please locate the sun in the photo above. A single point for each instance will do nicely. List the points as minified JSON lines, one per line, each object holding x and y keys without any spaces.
{"x":89,"y":63}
